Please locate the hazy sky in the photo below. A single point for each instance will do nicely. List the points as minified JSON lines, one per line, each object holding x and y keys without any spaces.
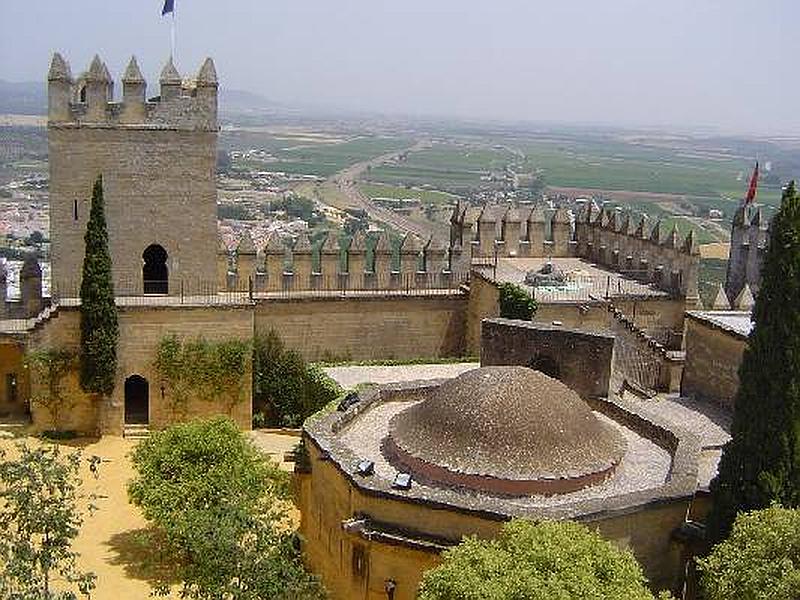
{"x":733,"y":64}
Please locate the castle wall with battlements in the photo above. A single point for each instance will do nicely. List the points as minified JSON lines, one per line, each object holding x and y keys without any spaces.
{"x":158,"y":162}
{"x":611,"y":239}
{"x":749,"y":238}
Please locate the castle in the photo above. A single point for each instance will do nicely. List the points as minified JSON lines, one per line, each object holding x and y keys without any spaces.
{"x":158,"y":161}
{"x":749,"y":236}
{"x":612,"y":293}
{"x":172,"y":274}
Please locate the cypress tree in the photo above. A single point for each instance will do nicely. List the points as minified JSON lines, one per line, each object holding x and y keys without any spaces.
{"x":761,"y":463}
{"x":99,"y":326}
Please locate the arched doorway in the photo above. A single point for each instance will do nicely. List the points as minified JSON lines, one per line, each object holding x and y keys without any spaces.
{"x":154,"y":270}
{"x":546,"y":364}
{"x":137,"y":400}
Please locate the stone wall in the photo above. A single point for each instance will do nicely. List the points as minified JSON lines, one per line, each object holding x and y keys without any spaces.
{"x":141,"y":330}
{"x":158,"y":162}
{"x":159,"y":188}
{"x":622,"y":242}
{"x":713,"y":356}
{"x":661,"y":318}
{"x":368,"y":328}
{"x":582,"y":360}
{"x":329,"y":504}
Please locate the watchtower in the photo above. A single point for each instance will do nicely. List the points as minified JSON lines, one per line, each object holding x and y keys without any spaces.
{"x":158,"y":162}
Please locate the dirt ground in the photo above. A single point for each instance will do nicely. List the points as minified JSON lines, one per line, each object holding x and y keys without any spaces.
{"x":718,"y":250}
{"x":111,"y":540}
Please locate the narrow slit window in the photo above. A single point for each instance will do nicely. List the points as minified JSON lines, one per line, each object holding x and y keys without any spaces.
{"x":75,"y":209}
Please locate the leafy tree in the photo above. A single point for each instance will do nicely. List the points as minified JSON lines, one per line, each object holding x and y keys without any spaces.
{"x":516,"y":302}
{"x":222,"y":508}
{"x":40,"y":518}
{"x":284,"y":386}
{"x":760,"y":559}
{"x":99,"y":326}
{"x":761,"y":463}
{"x":536,"y":562}
{"x":50,"y":366}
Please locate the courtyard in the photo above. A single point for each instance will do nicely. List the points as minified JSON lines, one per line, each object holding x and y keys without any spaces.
{"x":113,"y":542}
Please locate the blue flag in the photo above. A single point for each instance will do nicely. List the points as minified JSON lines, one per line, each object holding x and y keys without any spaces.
{"x":169,"y":7}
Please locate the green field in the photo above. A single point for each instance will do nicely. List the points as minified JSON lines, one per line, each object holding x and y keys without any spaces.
{"x":379,"y":190}
{"x":615,"y":165}
{"x":451,"y":167}
{"x":311,"y":158}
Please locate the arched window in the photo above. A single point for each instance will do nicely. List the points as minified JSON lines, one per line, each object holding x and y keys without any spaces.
{"x":155,"y":273}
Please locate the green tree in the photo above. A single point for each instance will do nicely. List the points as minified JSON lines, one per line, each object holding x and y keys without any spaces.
{"x":516,"y":302}
{"x":759,"y":561}
{"x":536,"y":562}
{"x":99,"y":326}
{"x":222,"y":508}
{"x":761,"y":463}
{"x":40,"y":518}
{"x":285,"y":388}
{"x":49,"y":367}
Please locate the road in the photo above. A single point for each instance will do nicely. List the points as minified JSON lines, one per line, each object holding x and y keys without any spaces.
{"x":346,"y":181}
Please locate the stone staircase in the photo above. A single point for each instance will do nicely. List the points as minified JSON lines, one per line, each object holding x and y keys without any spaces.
{"x":136,"y":432}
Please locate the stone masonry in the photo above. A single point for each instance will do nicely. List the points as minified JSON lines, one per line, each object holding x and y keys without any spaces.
{"x":158,"y":162}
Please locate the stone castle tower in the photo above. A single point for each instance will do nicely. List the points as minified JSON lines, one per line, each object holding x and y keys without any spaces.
{"x":749,"y":237}
{"x":158,"y":162}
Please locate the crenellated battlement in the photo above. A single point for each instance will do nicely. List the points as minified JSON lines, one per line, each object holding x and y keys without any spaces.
{"x":612,"y":239}
{"x":364,"y":262}
{"x":749,"y":238}
{"x":88,"y":100}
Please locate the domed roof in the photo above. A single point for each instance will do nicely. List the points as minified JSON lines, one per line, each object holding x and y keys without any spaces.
{"x":508,"y":430}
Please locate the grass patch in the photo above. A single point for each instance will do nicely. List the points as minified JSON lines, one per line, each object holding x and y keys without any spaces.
{"x":379,"y":190}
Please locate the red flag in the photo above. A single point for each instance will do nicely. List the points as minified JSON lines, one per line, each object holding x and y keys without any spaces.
{"x":751,"y":191}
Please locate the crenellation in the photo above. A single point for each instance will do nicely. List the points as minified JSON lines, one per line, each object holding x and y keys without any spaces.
{"x":158,"y":159}
{"x":330,"y":254}
{"x":615,"y":239}
{"x":275,"y":262}
{"x":88,"y":100}
{"x":301,"y":262}
{"x":246,"y":256}
{"x":749,"y":237}
{"x":410,"y":254}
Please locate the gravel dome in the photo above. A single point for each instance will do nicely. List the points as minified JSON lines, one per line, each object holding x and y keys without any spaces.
{"x":507,"y":430}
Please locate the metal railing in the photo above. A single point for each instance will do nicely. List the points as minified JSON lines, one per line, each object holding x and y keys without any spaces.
{"x":261,"y":287}
{"x":318,"y":285}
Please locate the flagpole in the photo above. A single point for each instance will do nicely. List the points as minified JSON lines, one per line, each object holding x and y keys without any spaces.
{"x":172,"y":34}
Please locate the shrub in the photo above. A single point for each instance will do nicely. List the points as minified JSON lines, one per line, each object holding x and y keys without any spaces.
{"x":49,"y":367}
{"x":516,"y":302}
{"x":40,"y":519}
{"x":760,"y":559}
{"x":211,"y":371}
{"x":285,"y":388}
{"x":536,"y":562}
{"x":222,"y":508}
